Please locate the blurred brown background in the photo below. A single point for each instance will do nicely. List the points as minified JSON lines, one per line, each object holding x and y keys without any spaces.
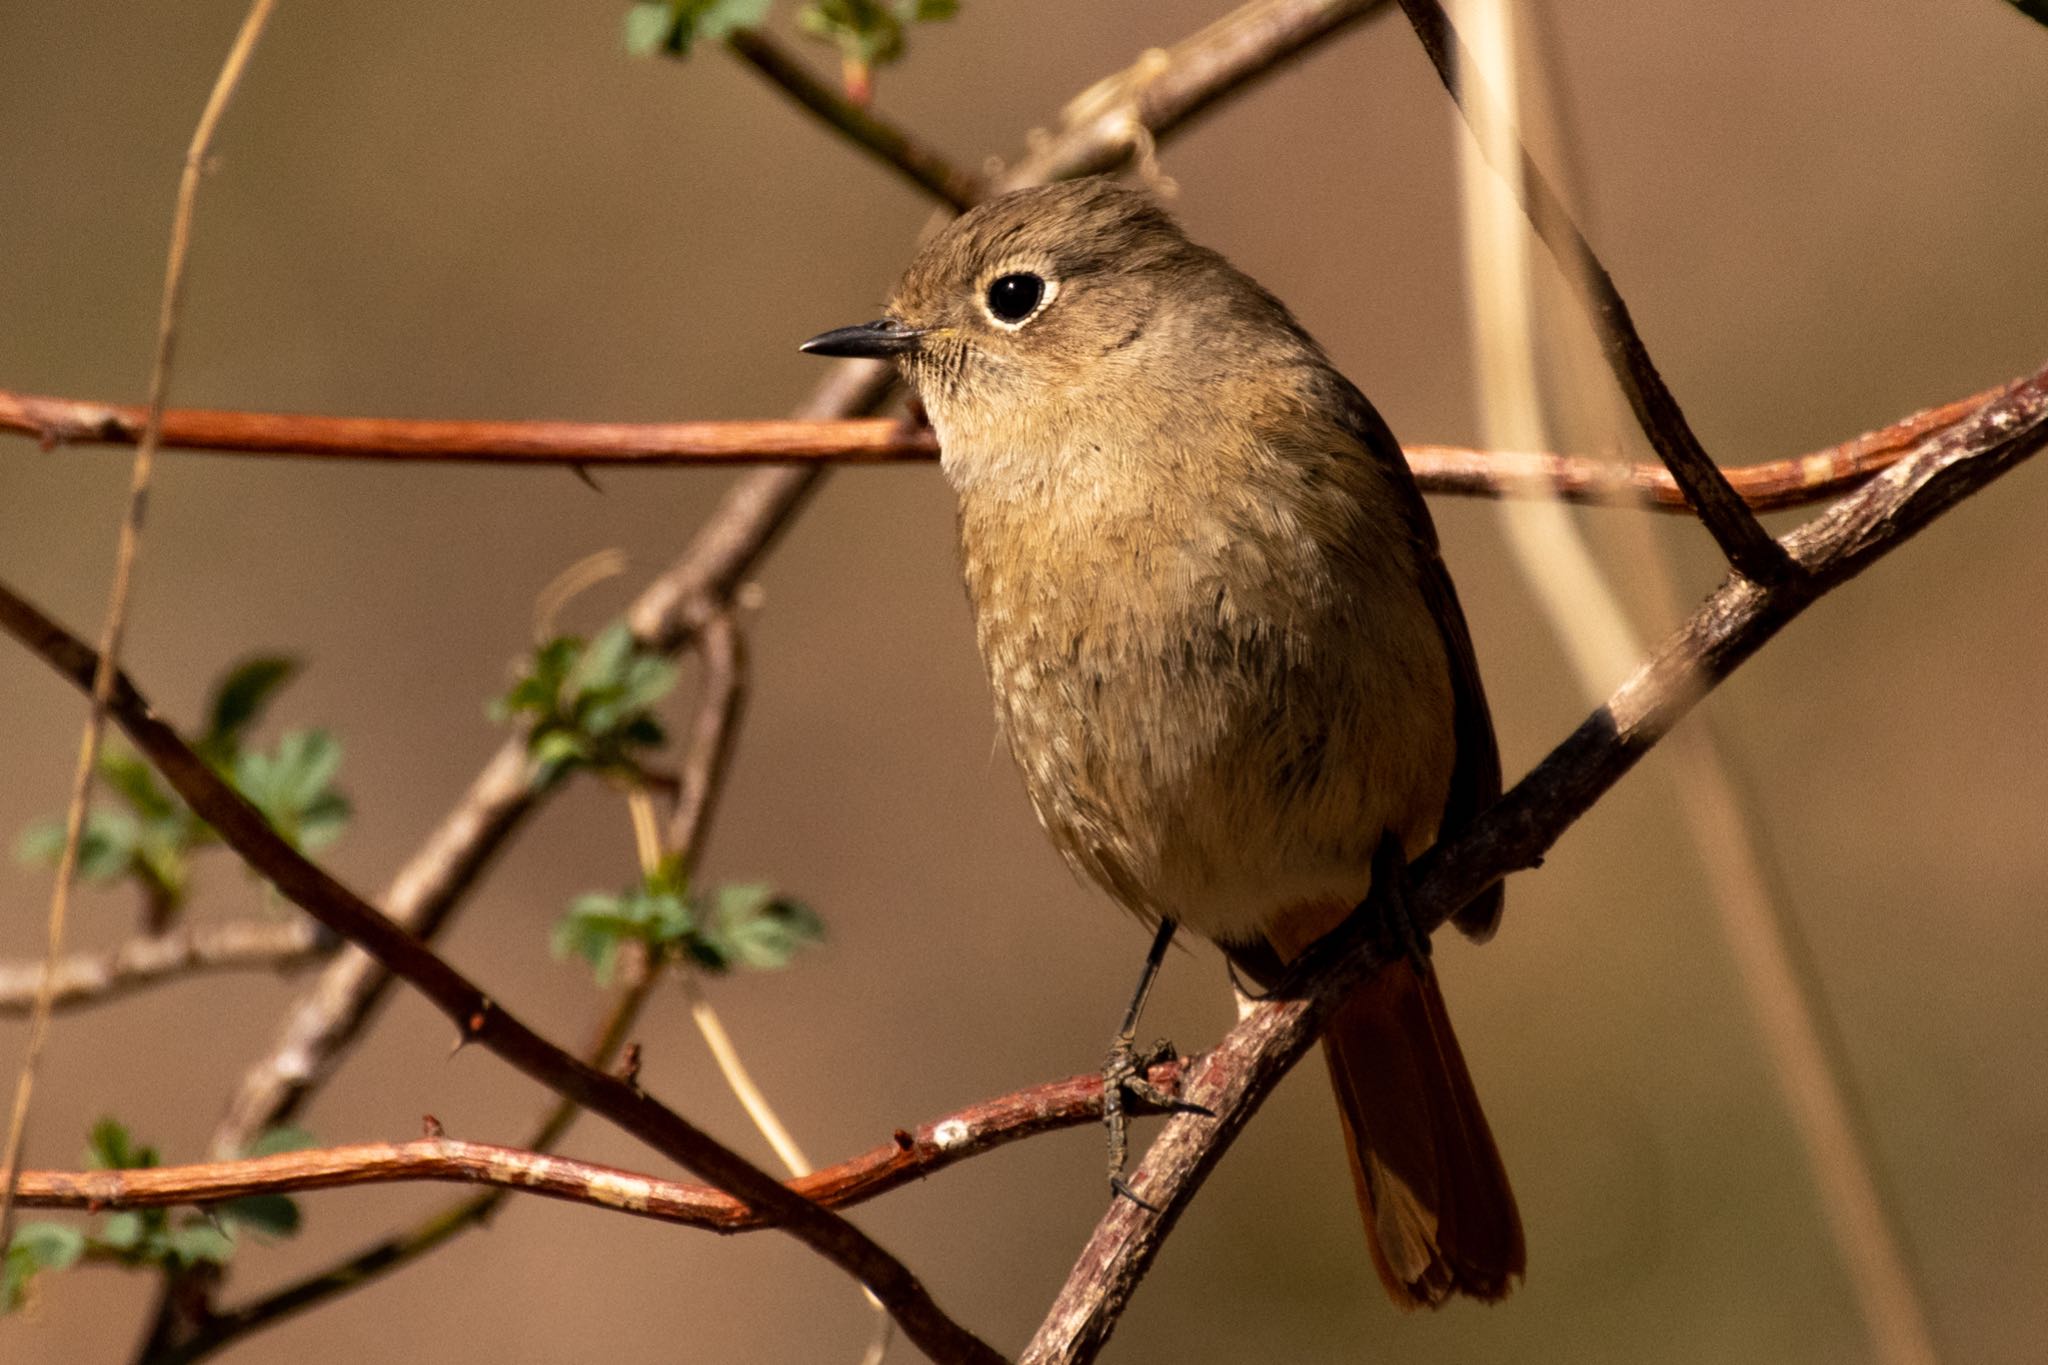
{"x":1825,"y":216}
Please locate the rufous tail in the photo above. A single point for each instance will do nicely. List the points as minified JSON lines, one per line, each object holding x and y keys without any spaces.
{"x":1439,"y":1216}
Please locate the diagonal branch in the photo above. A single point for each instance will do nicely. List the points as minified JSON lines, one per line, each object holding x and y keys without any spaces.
{"x":128,"y":546}
{"x":1195,"y":74}
{"x":712,"y":739}
{"x":1514,"y":834}
{"x":478,"y":1017}
{"x":1233,"y":1079}
{"x":859,"y":125}
{"x":1767,"y":486}
{"x":1741,"y":537}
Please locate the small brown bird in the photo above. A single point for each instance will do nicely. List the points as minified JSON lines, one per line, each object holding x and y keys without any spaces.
{"x":1224,"y":649}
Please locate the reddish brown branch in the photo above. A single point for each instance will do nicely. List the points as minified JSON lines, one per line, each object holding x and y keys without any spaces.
{"x":477,"y":1016}
{"x":910,"y":1155}
{"x":1741,"y":537}
{"x":1233,"y":1080}
{"x":1803,"y":479}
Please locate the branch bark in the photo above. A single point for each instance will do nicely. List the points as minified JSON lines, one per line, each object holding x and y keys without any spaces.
{"x":97,"y":978}
{"x":1768,"y":486}
{"x":861,"y":126}
{"x":477,"y":1016}
{"x":1513,"y":834}
{"x":1741,"y":536}
{"x":712,"y":740}
{"x":909,"y":1155}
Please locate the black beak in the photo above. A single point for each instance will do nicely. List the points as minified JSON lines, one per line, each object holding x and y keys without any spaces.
{"x":873,"y":340}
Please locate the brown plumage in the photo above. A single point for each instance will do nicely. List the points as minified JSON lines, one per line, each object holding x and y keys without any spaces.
{"x":1223,"y":648}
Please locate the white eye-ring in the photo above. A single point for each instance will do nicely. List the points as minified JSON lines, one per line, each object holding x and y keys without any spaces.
{"x":1013,"y":299}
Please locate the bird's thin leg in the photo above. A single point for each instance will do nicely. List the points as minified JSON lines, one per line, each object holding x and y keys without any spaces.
{"x":1124,"y":1071}
{"x":1389,"y":873}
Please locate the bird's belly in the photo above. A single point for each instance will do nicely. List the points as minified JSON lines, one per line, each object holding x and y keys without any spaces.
{"x":1218,"y":775}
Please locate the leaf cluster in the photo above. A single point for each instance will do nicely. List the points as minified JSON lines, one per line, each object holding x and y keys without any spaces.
{"x":866,"y":33}
{"x":735,"y":926}
{"x":149,"y":835}
{"x":588,"y":703}
{"x":147,"y":1238}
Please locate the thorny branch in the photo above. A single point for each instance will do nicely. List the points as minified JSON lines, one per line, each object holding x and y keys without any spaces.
{"x":1514,"y":833}
{"x":1116,"y":120}
{"x":1742,"y":538}
{"x":1234,"y":1078}
{"x":909,"y":1155}
{"x":477,"y":1016}
{"x":1769,"y":486}
{"x":1099,"y":132}
{"x":712,"y":738}
{"x":128,"y":547}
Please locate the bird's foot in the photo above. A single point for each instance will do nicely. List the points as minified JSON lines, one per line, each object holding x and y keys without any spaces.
{"x":1124,"y":1075}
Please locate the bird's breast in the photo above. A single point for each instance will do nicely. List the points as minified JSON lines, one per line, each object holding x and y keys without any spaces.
{"x":1214,"y":715}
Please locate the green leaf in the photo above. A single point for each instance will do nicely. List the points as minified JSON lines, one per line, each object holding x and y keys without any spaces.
{"x":273,"y":1215}
{"x":601,"y":665}
{"x":106,"y":846}
{"x":198,"y":1242}
{"x":126,"y":1230}
{"x":125,"y":772}
{"x":587,"y":704}
{"x":36,"y":1247}
{"x":281,"y":1139}
{"x":292,"y":786}
{"x":110,"y":1148}
{"x":716,"y":18}
{"x":751,"y":926}
{"x":648,"y":28}
{"x":869,"y":32}
{"x":674,"y":25}
{"x":240,"y":700}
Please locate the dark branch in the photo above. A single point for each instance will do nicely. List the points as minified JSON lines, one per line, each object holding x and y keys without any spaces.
{"x":480,"y":1019}
{"x":1742,"y":538}
{"x":1514,"y":834}
{"x":861,"y":126}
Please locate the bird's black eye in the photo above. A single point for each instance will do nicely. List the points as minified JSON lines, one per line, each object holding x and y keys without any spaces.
{"x":1013,"y":297}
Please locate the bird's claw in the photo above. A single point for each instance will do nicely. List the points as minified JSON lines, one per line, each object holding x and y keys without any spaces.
{"x":1124,"y":1074}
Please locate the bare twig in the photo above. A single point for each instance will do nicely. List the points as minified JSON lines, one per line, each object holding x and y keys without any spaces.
{"x":1787,"y":1003}
{"x":1514,"y":834}
{"x":708,"y":757}
{"x":909,"y":1155}
{"x":858,"y":124}
{"x":95,"y":978}
{"x":477,"y":1016}
{"x":1118,"y":119}
{"x":1769,"y":486}
{"x":695,"y":590}
{"x":124,"y":572}
{"x":1741,"y":537}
